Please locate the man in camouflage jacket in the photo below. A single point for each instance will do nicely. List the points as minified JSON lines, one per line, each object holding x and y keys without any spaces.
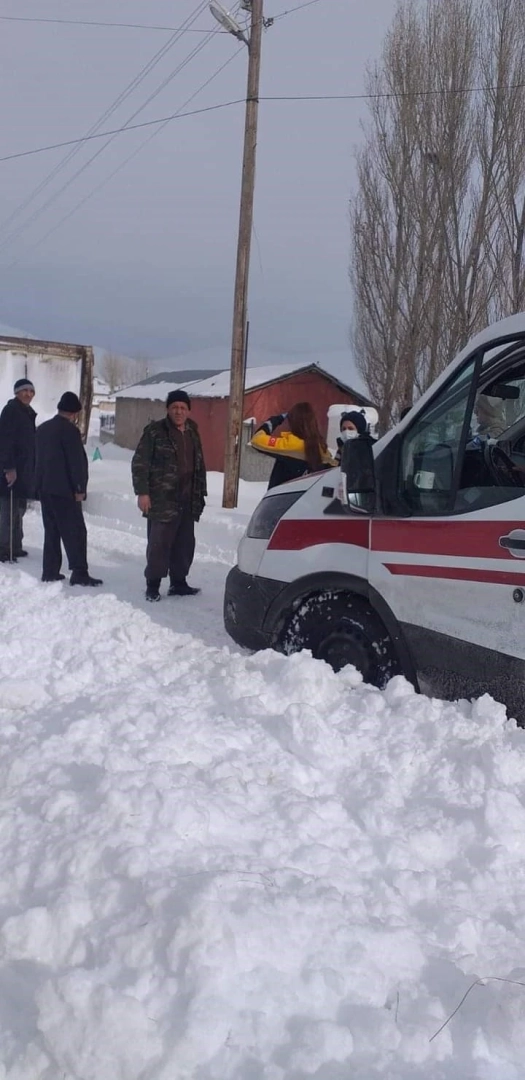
{"x":169,"y":478}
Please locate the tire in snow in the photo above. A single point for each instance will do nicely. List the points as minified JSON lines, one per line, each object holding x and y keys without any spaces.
{"x":341,"y":628}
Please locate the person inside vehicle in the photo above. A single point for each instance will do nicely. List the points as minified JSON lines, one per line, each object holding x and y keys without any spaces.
{"x":298,"y":451}
{"x":489,"y":415}
{"x":351,"y":426}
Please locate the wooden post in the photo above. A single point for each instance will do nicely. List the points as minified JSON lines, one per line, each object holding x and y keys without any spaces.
{"x":235,"y":409}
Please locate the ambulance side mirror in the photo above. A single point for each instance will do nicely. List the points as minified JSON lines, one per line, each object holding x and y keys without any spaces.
{"x":357,"y":469}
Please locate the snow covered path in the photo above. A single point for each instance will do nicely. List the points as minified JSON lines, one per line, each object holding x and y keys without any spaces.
{"x":117,"y":546}
{"x":222,"y":867}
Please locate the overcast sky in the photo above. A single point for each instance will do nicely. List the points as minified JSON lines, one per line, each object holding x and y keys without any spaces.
{"x":147,"y":263}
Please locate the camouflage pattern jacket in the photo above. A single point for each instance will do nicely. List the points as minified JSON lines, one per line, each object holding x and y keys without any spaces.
{"x":155,"y":471}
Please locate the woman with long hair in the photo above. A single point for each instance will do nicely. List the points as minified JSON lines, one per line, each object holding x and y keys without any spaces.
{"x":299,"y":451}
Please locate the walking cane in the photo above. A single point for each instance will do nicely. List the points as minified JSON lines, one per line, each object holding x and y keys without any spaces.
{"x":11,"y":559}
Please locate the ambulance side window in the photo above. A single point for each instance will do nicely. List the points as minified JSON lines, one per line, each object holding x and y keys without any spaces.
{"x":432,"y":445}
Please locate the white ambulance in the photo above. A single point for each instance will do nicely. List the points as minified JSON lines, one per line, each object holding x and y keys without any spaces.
{"x":410,"y":557}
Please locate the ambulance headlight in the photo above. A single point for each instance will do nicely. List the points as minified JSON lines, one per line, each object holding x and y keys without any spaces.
{"x":268,"y":513}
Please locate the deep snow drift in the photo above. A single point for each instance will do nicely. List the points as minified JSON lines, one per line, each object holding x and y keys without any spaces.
{"x":217,"y":866}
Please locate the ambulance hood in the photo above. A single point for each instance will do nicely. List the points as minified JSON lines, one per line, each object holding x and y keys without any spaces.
{"x":304,"y":483}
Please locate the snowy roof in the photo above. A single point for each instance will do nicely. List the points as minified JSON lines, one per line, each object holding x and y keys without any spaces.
{"x":218,"y":384}
{"x":101,"y":389}
{"x":178,"y":378}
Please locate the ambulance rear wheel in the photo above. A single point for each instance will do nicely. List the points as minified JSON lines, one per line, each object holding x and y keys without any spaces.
{"x":342,"y":629}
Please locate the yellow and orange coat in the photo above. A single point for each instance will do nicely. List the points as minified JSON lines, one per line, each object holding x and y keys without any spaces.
{"x":288,"y":450}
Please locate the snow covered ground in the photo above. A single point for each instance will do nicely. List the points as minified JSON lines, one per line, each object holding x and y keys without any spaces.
{"x":215,"y":866}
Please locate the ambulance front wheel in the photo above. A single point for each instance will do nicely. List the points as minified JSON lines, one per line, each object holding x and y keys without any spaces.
{"x":342,"y":629}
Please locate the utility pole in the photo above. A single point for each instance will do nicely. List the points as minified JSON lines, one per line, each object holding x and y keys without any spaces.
{"x":240,"y":303}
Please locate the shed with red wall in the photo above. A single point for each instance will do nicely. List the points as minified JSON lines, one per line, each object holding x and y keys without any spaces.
{"x":278,"y":396}
{"x":269,"y":391}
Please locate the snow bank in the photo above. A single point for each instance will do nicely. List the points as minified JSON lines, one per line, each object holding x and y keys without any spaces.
{"x":216,"y":866}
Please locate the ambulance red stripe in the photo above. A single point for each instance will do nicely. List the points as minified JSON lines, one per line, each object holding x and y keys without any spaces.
{"x":457,"y":573}
{"x":295,"y":535}
{"x":460,"y":539}
{"x":464,"y":539}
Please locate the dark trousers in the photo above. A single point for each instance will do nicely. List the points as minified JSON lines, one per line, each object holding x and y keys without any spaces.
{"x":171,"y":547}
{"x":12,"y":529}
{"x":63,"y":521}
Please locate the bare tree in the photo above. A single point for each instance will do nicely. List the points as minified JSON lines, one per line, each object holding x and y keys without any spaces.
{"x":140,"y":366}
{"x":118,"y":371}
{"x":114,"y":370}
{"x":440,"y":169}
{"x":503,"y":70}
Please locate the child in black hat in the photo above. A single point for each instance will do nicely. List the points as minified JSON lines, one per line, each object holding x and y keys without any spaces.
{"x":352,"y":425}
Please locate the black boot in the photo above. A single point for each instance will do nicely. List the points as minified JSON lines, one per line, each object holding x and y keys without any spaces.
{"x":21,"y":554}
{"x":81,"y":577}
{"x":53,"y":577}
{"x":5,"y":557}
{"x":181,"y":588}
{"x":152,"y":590}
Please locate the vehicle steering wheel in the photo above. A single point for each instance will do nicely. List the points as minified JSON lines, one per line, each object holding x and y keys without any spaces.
{"x":501,"y":467}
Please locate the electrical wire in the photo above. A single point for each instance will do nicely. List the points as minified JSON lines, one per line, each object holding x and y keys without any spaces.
{"x":275,"y":97}
{"x":298,"y":7}
{"x":56,"y":195}
{"x":140,"y":26}
{"x":119,"y":100}
{"x":130,"y":127}
{"x":92,"y":22}
{"x":122,"y":164}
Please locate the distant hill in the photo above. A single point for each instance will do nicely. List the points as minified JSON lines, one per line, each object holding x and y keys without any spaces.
{"x":339,"y":363}
{"x":11,"y":331}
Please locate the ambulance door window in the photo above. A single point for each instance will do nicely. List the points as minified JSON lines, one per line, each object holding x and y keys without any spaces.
{"x":432,"y":447}
{"x":493,"y":470}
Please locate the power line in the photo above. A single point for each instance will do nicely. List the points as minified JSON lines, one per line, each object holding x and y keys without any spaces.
{"x":298,"y":7}
{"x":122,"y":165}
{"x":128,"y":26}
{"x":49,"y":202}
{"x":274,"y":97}
{"x":129,"y":127}
{"x":140,"y":26}
{"x":119,"y":100}
{"x":52,"y":199}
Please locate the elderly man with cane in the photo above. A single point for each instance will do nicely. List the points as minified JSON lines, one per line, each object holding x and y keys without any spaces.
{"x":17,"y":468}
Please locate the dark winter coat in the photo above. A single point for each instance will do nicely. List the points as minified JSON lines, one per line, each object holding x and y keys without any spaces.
{"x":340,"y":444}
{"x":17,"y":448}
{"x":155,"y":469}
{"x":61,"y":462}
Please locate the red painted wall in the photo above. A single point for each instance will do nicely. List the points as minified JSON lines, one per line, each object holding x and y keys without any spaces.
{"x":211,"y":414}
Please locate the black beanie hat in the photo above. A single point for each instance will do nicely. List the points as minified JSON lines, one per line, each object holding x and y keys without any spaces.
{"x":69,"y":403}
{"x":357,"y":419}
{"x":178,"y":395}
{"x":23,"y":384}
